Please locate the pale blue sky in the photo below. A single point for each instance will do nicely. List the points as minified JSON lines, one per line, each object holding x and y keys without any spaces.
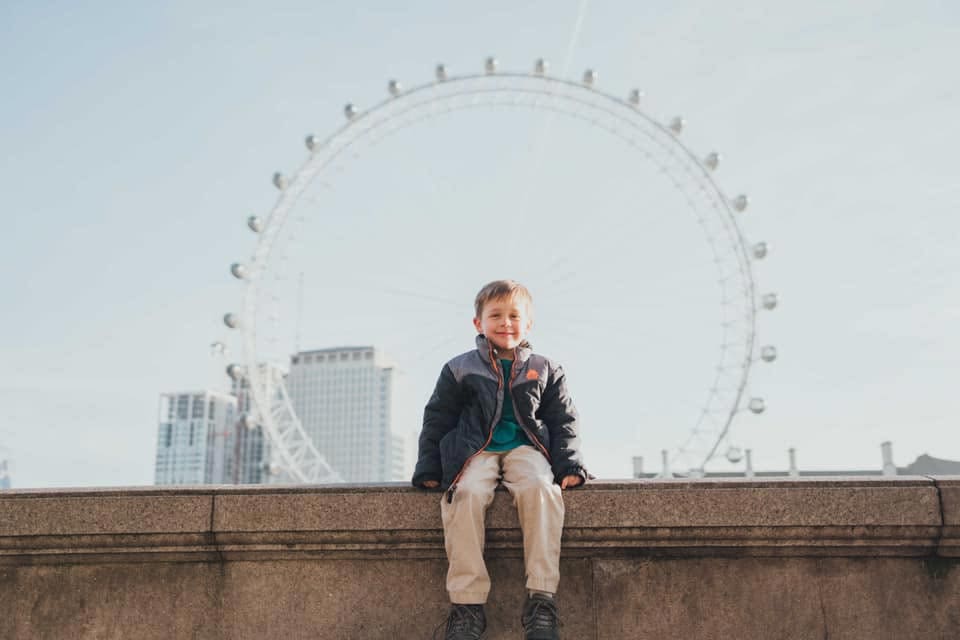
{"x":135,"y":140}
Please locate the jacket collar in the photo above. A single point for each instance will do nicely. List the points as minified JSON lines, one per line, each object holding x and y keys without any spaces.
{"x":487,"y":351}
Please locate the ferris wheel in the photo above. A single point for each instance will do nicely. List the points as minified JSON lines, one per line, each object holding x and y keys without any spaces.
{"x":295,"y":458}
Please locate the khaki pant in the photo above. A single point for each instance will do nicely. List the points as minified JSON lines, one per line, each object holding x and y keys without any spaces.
{"x":527,"y":476}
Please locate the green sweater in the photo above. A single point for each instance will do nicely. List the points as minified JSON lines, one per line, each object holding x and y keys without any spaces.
{"x":507,"y":434}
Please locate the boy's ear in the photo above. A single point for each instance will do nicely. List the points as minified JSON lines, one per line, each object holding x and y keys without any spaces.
{"x":476,"y":324}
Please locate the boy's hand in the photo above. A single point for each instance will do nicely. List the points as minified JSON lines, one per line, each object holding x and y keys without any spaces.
{"x":431,"y":484}
{"x":571,"y":482}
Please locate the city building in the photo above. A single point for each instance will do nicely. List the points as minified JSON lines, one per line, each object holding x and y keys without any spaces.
{"x":195,"y":438}
{"x":251,"y":447}
{"x":348,"y":401}
{"x":924,"y":465}
{"x":5,"y":482}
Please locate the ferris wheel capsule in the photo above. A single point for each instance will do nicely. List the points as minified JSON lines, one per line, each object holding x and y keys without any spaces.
{"x":734,"y":454}
{"x":350,"y":111}
{"x":279,"y":181}
{"x":274,"y":469}
{"x":312,"y":142}
{"x":677,"y":124}
{"x":255,"y":224}
{"x":235,"y":371}
{"x":760,"y":250}
{"x":741,"y":202}
{"x":770,"y":301}
{"x":589,"y":77}
{"x":441,"y":72}
{"x":712,"y":160}
{"x":248,"y":422}
{"x":217,"y":348}
{"x":232,"y":320}
{"x":490,"y":65}
{"x":394,"y":88}
{"x":635,"y":97}
{"x":757,"y":405}
{"x":540,"y":66}
{"x":238,"y":270}
{"x":768,"y":353}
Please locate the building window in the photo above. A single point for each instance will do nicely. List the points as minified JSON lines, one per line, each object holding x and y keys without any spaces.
{"x":182,"y":404}
{"x":198,"y":406}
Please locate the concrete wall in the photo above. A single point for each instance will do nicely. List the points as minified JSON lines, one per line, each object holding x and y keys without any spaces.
{"x":828,"y":558}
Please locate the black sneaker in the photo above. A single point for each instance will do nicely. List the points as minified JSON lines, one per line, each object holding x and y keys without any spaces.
{"x":465,"y":622}
{"x":541,"y":619}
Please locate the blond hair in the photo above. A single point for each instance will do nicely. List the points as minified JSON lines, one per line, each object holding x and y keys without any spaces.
{"x":500,"y":289}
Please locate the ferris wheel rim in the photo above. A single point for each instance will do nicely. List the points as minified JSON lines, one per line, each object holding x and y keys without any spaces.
{"x":741,"y":246}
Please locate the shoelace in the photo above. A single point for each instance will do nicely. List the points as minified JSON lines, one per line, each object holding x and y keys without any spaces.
{"x":542,"y":614}
{"x":459,"y":621}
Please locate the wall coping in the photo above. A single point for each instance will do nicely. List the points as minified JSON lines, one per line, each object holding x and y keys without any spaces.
{"x":913,"y":516}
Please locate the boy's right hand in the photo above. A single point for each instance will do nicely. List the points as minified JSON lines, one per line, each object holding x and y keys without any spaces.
{"x":431,"y":484}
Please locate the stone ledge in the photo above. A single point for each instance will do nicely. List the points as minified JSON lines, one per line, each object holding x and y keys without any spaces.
{"x":948,"y":488}
{"x":905,"y":516}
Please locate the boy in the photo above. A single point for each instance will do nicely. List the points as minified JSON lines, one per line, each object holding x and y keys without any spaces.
{"x":501,"y":414}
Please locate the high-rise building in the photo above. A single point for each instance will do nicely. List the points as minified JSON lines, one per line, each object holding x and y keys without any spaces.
{"x":4,"y":475}
{"x":195,"y":438}
{"x":347,"y":401}
{"x":251,"y":447}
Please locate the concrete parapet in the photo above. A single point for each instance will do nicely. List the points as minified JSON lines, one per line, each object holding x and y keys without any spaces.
{"x":799,"y":558}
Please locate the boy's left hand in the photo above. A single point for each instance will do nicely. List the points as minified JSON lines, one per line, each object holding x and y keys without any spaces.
{"x":571,"y":482}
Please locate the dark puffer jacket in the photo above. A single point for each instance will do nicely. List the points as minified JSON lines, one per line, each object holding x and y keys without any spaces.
{"x":467,"y":403}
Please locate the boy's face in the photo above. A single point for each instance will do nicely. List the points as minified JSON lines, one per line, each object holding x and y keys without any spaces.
{"x":505,"y":322}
